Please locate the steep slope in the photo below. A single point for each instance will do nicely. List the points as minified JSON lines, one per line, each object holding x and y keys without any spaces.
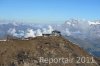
{"x":43,"y":51}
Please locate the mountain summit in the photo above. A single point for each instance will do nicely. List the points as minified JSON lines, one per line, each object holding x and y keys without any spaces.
{"x":43,"y":51}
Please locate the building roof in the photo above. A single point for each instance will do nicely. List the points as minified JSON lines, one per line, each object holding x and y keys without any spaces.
{"x":56,"y":31}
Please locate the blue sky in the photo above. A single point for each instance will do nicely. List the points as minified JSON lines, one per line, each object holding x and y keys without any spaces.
{"x":49,"y":11}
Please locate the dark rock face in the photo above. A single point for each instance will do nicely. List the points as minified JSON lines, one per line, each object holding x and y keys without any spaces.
{"x":43,"y":51}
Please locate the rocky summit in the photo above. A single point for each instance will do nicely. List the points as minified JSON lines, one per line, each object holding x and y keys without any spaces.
{"x":43,"y":51}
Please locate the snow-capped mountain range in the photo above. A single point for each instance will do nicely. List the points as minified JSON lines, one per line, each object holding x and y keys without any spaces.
{"x":82,"y":32}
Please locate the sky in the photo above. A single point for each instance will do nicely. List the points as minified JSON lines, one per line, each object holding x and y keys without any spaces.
{"x":49,"y":11}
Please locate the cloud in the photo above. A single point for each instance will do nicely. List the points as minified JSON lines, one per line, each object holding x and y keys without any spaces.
{"x":50,"y":29}
{"x":29,"y":33}
{"x":38,"y":32}
{"x":47,"y":30}
{"x":68,"y":33}
{"x":21,"y":32}
{"x":44,"y":31}
{"x":12,"y":31}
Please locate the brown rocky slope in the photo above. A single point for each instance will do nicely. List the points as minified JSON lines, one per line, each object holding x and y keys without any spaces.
{"x":50,"y":49}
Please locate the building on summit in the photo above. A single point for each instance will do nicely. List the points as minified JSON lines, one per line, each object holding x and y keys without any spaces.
{"x":54,"y":33}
